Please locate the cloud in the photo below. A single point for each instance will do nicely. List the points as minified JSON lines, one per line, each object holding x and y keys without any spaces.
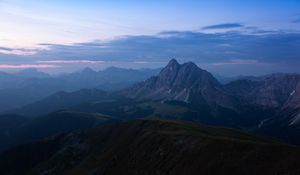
{"x":223,"y":26}
{"x":296,"y":20}
{"x":17,"y":51}
{"x":26,"y":66}
{"x":71,"y":62}
{"x":185,"y":46}
{"x":5,"y":48}
{"x":236,"y":62}
{"x":230,"y":49}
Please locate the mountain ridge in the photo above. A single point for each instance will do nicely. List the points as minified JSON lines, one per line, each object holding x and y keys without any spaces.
{"x":182,"y":82}
{"x":153,"y":146}
{"x":252,"y":104}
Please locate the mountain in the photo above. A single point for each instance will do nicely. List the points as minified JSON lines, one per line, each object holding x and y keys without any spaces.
{"x":184,"y":91}
{"x":292,"y":103}
{"x":250,"y":103}
{"x":189,"y":83}
{"x":62,"y":100}
{"x":273,"y":91}
{"x":226,"y":80}
{"x":276,"y":98}
{"x":277,"y":92}
{"x":268,"y":103}
{"x":110,"y":79}
{"x":28,"y":86}
{"x":196,"y":90}
{"x":152,"y":146}
{"x":15,"y":130}
{"x":97,"y":101}
{"x":31,"y":73}
{"x":8,"y":80}
{"x":184,"y":82}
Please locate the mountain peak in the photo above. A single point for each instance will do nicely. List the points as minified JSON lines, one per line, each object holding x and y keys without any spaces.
{"x":182,"y":82}
{"x":169,"y":73}
{"x":88,"y":70}
{"x":172,"y":66}
{"x":191,"y":65}
{"x":173,"y":62}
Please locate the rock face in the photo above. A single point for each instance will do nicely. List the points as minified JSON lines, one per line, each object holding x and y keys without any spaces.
{"x":293,"y":104}
{"x":251,"y":102}
{"x":273,"y":91}
{"x":153,"y":147}
{"x":277,"y":92}
{"x":183,"y":82}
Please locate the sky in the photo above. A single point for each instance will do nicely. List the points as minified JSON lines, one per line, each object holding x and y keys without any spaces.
{"x":230,"y":37}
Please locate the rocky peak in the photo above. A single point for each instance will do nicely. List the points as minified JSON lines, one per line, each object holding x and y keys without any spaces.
{"x":172,"y":67}
{"x":190,"y":65}
{"x":173,"y":62}
{"x":169,"y":73}
{"x":180,"y":82}
{"x":183,"y":74}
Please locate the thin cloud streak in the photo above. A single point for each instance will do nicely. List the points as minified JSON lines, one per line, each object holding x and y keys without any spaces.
{"x":223,"y":26}
{"x":72,"y":62}
{"x":236,"y":62}
{"x":296,"y":20}
{"x":23,"y":52}
{"x":27,"y":66}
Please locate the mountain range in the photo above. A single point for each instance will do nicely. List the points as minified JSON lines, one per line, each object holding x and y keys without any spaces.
{"x":154,"y":124}
{"x":264,"y":104}
{"x":274,"y":95}
{"x":30,"y":85}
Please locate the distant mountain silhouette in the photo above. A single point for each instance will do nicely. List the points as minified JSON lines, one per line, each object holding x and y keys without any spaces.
{"x":29,"y":85}
{"x":31,"y":73}
{"x":62,"y":100}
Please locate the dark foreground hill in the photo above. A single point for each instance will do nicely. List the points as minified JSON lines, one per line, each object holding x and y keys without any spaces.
{"x":15,"y":130}
{"x":152,"y":147}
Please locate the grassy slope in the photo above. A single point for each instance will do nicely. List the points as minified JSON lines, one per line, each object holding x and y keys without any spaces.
{"x":155,"y":146}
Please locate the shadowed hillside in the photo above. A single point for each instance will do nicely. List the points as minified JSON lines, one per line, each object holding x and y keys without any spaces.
{"x":152,"y":147}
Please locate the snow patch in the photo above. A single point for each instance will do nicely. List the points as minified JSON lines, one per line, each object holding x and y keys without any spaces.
{"x":262,"y":123}
{"x":295,"y":120}
{"x":292,"y":93}
{"x":187,"y":97}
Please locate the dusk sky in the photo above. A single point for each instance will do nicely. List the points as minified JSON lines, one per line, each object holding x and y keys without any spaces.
{"x":229,"y":37}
